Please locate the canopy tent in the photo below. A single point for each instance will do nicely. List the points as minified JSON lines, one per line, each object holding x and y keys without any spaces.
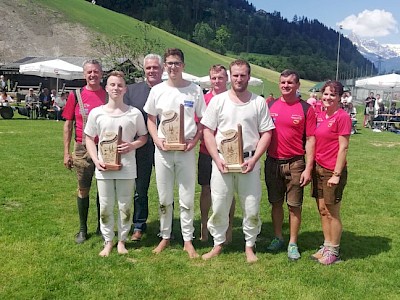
{"x":204,"y":81}
{"x":55,"y":68}
{"x":387,"y":83}
{"x":185,"y":76}
{"x":318,"y":86}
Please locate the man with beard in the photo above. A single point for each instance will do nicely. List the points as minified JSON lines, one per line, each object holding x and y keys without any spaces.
{"x":224,"y":112}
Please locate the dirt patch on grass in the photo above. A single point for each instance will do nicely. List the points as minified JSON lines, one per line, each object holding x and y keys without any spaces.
{"x":28,"y":29}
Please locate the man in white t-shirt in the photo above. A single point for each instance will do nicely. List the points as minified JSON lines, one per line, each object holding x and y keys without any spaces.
{"x":175,"y":165}
{"x":224,"y":112}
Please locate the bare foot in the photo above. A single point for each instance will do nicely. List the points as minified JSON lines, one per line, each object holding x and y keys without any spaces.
{"x":250,"y":255}
{"x":188,"y":247}
{"x":213,"y":253}
{"x":161,"y":246}
{"x":107,"y":249}
{"x":204,"y":233}
{"x":121,"y":248}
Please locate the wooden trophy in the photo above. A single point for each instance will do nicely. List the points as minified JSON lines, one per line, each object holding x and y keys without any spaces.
{"x":173,"y":128}
{"x":232,"y":149}
{"x":109,"y":150}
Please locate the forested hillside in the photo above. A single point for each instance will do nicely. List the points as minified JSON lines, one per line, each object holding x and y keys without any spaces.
{"x":236,"y":27}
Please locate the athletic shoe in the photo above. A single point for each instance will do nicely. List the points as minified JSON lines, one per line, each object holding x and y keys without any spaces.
{"x":329,"y":258}
{"x":319,"y":254}
{"x":293,"y":252}
{"x":276,"y":245}
{"x":80,"y":237}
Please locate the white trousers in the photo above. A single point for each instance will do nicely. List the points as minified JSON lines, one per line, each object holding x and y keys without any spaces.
{"x":179,"y":166}
{"x":109,"y":189}
{"x":248,"y":188}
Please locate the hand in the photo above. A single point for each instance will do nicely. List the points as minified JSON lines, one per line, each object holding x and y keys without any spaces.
{"x":221,"y":165}
{"x":190,"y":144}
{"x":125,"y":147}
{"x":305,"y":178}
{"x":334,"y":180}
{"x":100,"y":165}
{"x":68,"y":161}
{"x":160,"y":144}
{"x":248,"y":166}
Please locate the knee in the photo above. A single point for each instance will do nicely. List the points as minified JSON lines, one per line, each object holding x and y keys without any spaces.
{"x":83,"y":192}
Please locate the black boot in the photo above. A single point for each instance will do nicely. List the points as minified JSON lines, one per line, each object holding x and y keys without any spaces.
{"x":83,"y":210}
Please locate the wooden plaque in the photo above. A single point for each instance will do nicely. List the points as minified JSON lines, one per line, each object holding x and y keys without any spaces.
{"x":109,"y":150}
{"x":232,"y":149}
{"x":173,"y":128}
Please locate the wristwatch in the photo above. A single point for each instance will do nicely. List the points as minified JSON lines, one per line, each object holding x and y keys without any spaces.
{"x":337,"y":174}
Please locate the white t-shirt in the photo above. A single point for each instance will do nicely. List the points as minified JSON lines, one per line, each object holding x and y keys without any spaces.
{"x":100,"y":122}
{"x":163,"y":98}
{"x":222,"y":114}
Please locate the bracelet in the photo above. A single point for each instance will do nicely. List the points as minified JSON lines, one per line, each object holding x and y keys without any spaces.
{"x":337,"y":174}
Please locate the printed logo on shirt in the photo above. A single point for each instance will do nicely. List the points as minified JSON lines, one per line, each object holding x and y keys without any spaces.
{"x":296,"y":119}
{"x":331,"y":122}
{"x":274,"y":115}
{"x":188,"y":103}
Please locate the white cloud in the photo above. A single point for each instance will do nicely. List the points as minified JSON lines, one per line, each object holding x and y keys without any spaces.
{"x":371,"y":23}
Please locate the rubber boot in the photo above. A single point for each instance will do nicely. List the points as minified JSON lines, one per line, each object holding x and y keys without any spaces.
{"x":83,"y":210}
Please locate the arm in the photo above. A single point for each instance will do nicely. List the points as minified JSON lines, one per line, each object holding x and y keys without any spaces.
{"x":305,"y":176}
{"x":341,"y":159}
{"x":262,"y":146}
{"x":209,"y":139}
{"x":67,"y":136}
{"x":92,"y":150}
{"x":152,"y":128}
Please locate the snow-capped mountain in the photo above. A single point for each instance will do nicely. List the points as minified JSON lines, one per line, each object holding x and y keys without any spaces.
{"x":371,"y":49}
{"x":386,"y":57}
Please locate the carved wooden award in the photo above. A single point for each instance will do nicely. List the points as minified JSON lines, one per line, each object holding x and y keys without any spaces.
{"x":173,"y":128}
{"x":232,"y":149}
{"x":109,"y":150}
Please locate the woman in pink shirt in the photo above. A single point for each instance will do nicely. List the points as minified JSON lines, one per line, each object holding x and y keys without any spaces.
{"x":330,"y":175}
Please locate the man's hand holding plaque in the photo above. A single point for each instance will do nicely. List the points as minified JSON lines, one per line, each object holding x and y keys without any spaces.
{"x":232,"y":149}
{"x":109,"y":150}
{"x":173,"y":128}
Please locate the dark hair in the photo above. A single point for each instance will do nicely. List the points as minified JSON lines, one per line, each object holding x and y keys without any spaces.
{"x":288,"y":72}
{"x":174,"y":52}
{"x":336,"y":86}
{"x":240,"y":62}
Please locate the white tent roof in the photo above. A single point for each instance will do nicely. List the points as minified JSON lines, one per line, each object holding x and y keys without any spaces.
{"x":389,"y":82}
{"x":185,"y":76}
{"x":55,"y":68}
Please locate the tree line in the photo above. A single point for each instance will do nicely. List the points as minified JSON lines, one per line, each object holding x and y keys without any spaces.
{"x":236,"y":27}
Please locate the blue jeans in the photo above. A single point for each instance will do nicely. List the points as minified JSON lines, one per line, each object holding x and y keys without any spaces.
{"x":144,"y":163}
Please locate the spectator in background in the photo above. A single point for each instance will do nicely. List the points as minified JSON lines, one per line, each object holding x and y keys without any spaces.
{"x":3,"y":84}
{"x":368,"y":100}
{"x":58,"y":106}
{"x":45,"y":102}
{"x":270,"y":98}
{"x":312,"y":100}
{"x":5,"y":99}
{"x":31,"y":103}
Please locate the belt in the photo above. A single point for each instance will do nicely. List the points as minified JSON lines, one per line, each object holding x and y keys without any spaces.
{"x":246,"y":154}
{"x":286,"y":161}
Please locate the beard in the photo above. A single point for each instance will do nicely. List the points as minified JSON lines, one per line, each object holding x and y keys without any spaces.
{"x":240,"y":88}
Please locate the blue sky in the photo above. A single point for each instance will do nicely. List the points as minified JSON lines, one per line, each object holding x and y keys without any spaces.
{"x":377,"y":19}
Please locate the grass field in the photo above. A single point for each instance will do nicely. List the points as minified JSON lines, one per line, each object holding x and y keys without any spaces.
{"x":40,"y":260}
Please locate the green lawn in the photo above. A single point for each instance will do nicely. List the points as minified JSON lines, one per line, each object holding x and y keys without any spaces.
{"x":40,"y":260}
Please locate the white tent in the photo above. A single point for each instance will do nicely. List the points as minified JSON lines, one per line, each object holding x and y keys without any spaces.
{"x":388,"y":82}
{"x":55,"y":68}
{"x":185,"y":76}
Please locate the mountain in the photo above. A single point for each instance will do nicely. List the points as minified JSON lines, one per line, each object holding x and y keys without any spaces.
{"x":386,"y":57}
